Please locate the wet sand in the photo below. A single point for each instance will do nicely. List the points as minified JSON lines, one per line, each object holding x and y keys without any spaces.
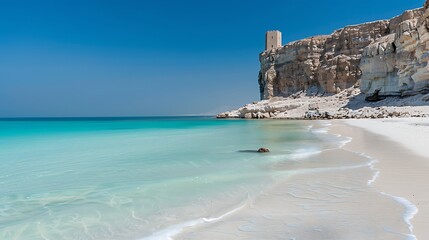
{"x":401,"y":146}
{"x":368,"y":188}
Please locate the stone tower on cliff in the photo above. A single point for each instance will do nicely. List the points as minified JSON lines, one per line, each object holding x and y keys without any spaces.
{"x":273,"y":39}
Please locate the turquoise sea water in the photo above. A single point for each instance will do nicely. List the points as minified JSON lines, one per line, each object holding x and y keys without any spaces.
{"x":131,"y":178}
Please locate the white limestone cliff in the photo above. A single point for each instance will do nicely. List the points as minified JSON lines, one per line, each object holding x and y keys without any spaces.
{"x":388,"y":57}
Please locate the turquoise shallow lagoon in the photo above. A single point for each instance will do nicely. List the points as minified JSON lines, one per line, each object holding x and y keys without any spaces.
{"x":129,"y":178}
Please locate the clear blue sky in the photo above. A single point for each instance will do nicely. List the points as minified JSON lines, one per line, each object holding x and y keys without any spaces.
{"x":137,"y":58}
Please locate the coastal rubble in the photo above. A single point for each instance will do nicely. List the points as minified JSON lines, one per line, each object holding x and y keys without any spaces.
{"x":348,"y":104}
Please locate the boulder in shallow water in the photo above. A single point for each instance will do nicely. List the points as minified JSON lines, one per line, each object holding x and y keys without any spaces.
{"x":263,"y":150}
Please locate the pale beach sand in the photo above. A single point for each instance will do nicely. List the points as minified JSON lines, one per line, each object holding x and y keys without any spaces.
{"x":413,"y":133}
{"x":375,"y":185}
{"x":402,"y":150}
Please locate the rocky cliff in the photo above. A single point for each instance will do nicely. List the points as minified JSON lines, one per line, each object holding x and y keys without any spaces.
{"x":388,"y":57}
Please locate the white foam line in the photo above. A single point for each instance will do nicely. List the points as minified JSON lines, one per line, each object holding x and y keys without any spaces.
{"x":325,"y":130}
{"x":344,"y":142}
{"x":376,"y":172}
{"x":410,"y":212}
{"x":170,"y":232}
{"x":371,"y":165}
{"x":410,"y":209}
{"x":349,"y":140}
{"x":210,"y":220}
{"x":374,"y":178}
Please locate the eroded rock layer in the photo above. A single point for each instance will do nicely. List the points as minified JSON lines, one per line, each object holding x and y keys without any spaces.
{"x":388,"y":57}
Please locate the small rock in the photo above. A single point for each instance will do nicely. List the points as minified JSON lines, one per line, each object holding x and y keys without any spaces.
{"x":263,"y":150}
{"x":313,"y":107}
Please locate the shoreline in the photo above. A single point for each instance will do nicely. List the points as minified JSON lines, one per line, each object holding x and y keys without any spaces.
{"x":402,"y":166}
{"x":399,"y":215}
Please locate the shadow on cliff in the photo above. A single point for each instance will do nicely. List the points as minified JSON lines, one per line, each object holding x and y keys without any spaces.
{"x":359,"y":101}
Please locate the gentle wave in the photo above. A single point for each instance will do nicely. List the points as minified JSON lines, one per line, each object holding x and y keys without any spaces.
{"x":410,"y":209}
{"x":170,"y":232}
{"x":303,"y":153}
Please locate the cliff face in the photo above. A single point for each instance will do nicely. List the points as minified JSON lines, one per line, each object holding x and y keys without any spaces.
{"x":388,"y":56}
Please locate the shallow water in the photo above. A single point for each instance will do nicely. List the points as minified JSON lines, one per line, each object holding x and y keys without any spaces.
{"x":137,"y":177}
{"x":326,"y":194}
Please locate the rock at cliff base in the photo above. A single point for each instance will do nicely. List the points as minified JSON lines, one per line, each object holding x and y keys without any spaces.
{"x":375,"y":97}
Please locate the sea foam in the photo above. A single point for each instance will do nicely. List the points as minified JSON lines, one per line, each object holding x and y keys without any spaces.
{"x":170,"y":232}
{"x":410,"y":211}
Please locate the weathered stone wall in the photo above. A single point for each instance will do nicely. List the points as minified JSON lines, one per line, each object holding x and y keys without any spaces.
{"x":273,"y":39}
{"x":389,"y":56}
